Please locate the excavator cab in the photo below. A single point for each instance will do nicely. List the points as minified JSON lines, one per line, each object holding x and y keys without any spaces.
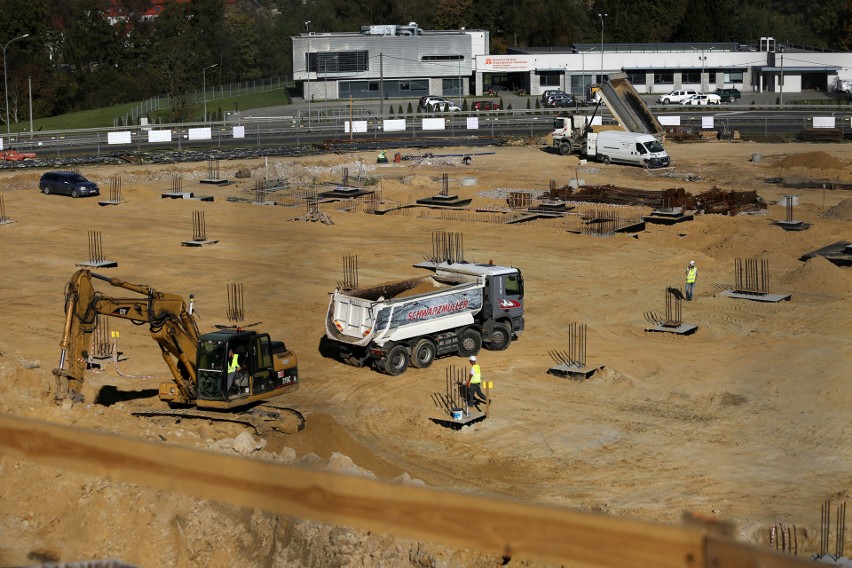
{"x":261,"y":373}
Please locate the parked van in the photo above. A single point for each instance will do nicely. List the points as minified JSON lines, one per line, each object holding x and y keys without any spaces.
{"x":626,"y":148}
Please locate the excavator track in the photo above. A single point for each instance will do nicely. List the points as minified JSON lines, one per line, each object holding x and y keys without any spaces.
{"x":263,"y":419}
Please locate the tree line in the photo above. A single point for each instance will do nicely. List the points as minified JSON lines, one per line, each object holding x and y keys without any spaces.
{"x":78,"y":57}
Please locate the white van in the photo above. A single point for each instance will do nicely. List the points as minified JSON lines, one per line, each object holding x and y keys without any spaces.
{"x":627,"y":148}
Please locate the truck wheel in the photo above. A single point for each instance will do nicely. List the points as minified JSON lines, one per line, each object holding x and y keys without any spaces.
{"x":501,"y":337}
{"x":565,"y":148}
{"x":396,"y":361}
{"x":605,"y":159}
{"x":470,"y":342}
{"x":423,"y":353}
{"x":666,"y":101}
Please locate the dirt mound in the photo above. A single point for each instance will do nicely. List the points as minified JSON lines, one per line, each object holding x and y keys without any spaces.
{"x":819,"y":275}
{"x":812,"y":160}
{"x":842,"y":210}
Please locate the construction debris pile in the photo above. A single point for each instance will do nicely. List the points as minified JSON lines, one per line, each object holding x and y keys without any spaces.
{"x":714,"y":200}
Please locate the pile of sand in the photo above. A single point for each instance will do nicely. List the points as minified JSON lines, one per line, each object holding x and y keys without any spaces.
{"x":842,"y":210}
{"x":818,"y":275}
{"x":812,"y":160}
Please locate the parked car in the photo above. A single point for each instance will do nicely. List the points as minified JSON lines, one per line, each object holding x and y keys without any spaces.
{"x":67,"y":183}
{"x":676,"y":97}
{"x":562,"y":101}
{"x":443,"y":106}
{"x":486,"y":105}
{"x":429,"y":101}
{"x":551,"y":93}
{"x":730,"y":95}
{"x":702,"y":99}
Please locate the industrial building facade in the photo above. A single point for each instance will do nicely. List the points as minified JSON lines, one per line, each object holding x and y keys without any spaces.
{"x":407,"y":62}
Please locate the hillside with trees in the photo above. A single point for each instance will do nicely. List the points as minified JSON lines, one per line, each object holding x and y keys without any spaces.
{"x":83,"y":54}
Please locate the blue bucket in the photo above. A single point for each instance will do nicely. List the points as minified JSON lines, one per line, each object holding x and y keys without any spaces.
{"x":457,"y":413}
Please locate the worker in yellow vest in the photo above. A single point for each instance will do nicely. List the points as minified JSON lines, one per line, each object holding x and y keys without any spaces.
{"x":234,"y":367}
{"x":691,"y":275}
{"x":474,"y":382}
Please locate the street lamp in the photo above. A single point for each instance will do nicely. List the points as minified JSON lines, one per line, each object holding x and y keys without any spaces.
{"x":5,"y":82}
{"x":602,"y":16}
{"x":703,"y":59}
{"x":204,"y":87}
{"x":308,"y":70}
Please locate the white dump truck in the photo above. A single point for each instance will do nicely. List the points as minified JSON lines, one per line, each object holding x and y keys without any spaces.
{"x":456,"y":310}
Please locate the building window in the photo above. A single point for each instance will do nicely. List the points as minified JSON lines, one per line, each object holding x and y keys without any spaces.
{"x":452,"y":86}
{"x":550,"y":79}
{"x":338,"y":62}
{"x":664,"y":78}
{"x":442,"y":58}
{"x":690,"y":77}
{"x":636,"y":77}
{"x":734,"y":77}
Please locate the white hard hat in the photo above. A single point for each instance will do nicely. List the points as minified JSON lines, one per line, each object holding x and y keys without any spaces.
{"x":473,"y":357}
{"x":691,"y":262}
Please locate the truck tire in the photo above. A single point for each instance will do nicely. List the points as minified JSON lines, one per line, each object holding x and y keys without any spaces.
{"x":396,"y":361}
{"x":666,"y":101}
{"x":470,"y":342}
{"x":605,"y":159}
{"x":565,"y":148}
{"x":501,"y":337}
{"x":423,"y":353}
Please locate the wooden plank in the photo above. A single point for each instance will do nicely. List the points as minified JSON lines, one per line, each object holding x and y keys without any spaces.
{"x":504,"y":527}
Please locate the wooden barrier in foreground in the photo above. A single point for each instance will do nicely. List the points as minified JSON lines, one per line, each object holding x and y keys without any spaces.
{"x":504,"y":527}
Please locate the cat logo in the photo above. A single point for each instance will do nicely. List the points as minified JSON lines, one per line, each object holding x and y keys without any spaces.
{"x":121,"y":311}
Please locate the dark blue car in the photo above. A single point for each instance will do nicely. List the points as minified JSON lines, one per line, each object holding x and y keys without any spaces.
{"x":67,"y":183}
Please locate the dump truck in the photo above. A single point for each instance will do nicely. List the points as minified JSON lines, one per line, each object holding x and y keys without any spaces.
{"x":456,"y":310}
{"x":627,"y":107}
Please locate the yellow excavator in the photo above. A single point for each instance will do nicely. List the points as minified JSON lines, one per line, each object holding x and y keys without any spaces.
{"x":204,"y":373}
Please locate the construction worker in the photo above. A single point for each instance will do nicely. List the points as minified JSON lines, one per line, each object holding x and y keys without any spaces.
{"x":383,"y":158}
{"x":473,"y":384}
{"x":235,"y":367}
{"x":691,"y":274}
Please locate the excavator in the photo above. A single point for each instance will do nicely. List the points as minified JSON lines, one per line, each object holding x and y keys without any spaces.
{"x":199,"y":364}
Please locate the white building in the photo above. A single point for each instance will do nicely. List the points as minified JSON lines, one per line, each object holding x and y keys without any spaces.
{"x":407,"y":62}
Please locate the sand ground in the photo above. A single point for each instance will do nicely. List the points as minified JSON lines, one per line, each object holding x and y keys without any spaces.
{"x":748,"y":419}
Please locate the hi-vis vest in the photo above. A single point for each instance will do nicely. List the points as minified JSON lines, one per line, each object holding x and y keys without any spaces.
{"x":691,"y":274}
{"x":475,"y":374}
{"x":234,"y":364}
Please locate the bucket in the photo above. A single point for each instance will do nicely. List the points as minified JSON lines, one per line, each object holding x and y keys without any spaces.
{"x":457,"y":413}
{"x":755,"y":157}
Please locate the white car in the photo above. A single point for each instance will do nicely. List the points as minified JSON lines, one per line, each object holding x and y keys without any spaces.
{"x":676,"y":97}
{"x":702,"y":100}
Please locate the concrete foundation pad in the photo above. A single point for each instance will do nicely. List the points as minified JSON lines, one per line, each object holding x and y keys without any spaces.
{"x":839,"y":253}
{"x":102,"y":362}
{"x":682,"y":329}
{"x":792,"y":225}
{"x":667,"y":218}
{"x":6,"y":222}
{"x":472,"y":417}
{"x":214,"y":181}
{"x":98,"y":264}
{"x":105,"y":203}
{"x":345,"y":193}
{"x":572,"y":371}
{"x":198,"y":243}
{"x":178,"y":195}
{"x":755,"y":297}
{"x":445,"y":200}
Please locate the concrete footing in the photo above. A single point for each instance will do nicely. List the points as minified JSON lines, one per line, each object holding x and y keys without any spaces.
{"x":755,"y":297}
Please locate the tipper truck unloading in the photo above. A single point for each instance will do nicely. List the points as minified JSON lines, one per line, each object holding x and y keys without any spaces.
{"x":456,"y":310}
{"x":632,"y":114}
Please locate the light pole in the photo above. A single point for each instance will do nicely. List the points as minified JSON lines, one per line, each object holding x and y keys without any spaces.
{"x":602,"y":16}
{"x":308,"y":70}
{"x":204,"y":86}
{"x":703,"y":59}
{"x":5,"y":82}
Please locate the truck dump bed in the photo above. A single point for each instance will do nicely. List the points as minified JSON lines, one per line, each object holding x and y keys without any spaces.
{"x":628,"y":108}
{"x":357,"y":316}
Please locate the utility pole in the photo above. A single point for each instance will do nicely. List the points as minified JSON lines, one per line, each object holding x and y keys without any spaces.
{"x":308,"y":70}
{"x":6,"y":82}
{"x":602,"y":16}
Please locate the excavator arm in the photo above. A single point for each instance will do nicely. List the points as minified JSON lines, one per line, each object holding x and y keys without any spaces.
{"x":170,"y":322}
